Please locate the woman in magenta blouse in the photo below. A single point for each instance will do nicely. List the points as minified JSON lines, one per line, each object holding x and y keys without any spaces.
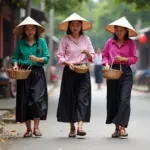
{"x":119,"y":50}
{"x":75,"y":94}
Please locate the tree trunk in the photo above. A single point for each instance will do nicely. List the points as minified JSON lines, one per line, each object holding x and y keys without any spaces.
{"x":51,"y":33}
{"x":28,"y":9}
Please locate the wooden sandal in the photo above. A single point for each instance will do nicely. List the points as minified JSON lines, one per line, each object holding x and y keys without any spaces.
{"x":81,"y":132}
{"x":28,"y":134}
{"x":72,"y":133}
{"x":116,"y":134}
{"x":37,"y":132}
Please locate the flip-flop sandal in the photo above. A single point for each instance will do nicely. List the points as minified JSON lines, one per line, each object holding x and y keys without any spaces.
{"x":81,"y":132}
{"x":72,"y":133}
{"x":37,"y":132}
{"x":28,"y":134}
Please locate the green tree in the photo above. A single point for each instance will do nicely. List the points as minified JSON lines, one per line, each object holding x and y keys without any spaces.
{"x":62,"y":6}
{"x":18,"y":3}
{"x":65,"y":6}
{"x":137,"y":4}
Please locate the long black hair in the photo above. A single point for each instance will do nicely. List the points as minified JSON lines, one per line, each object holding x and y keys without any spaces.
{"x":126,"y":36}
{"x":36,"y":38}
{"x":69,"y":30}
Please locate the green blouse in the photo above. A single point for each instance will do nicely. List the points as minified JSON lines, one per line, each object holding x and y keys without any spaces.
{"x":23,"y":50}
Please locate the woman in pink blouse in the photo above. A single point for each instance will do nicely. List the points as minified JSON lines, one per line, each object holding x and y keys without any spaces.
{"x":119,"y":50}
{"x":75,"y":94}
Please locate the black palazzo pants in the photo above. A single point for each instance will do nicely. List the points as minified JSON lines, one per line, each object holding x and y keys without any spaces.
{"x":32,"y":97}
{"x":118,"y":97}
{"x":75,"y":97}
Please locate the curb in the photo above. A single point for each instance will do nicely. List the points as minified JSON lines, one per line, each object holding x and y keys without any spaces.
{"x":1,"y":129}
{"x":140,"y":89}
{"x":11,"y":110}
{"x":3,"y":114}
{"x":9,"y":120}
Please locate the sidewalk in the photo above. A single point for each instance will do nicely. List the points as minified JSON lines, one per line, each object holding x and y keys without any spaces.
{"x":141,"y":88}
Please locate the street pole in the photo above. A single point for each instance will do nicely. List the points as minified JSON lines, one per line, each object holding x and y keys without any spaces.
{"x":51,"y":33}
{"x":28,"y":9}
{"x":137,"y":28}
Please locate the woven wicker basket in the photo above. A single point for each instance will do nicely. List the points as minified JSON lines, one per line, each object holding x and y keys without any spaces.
{"x":81,"y":68}
{"x":112,"y":74}
{"x":18,"y":75}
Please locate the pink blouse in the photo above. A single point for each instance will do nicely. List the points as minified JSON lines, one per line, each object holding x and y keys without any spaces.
{"x":69,"y":51}
{"x":111,"y":49}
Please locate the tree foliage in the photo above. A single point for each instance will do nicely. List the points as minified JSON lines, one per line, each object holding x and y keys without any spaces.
{"x":137,"y":4}
{"x":18,"y":3}
{"x":65,"y":6}
{"x":61,"y":6}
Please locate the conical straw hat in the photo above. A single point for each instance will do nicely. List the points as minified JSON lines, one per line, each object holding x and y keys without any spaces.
{"x":19,"y":30}
{"x":64,"y":24}
{"x":124,"y":23}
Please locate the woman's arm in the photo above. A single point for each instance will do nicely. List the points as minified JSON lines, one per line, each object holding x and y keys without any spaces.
{"x":46,"y":54}
{"x":61,"y":52}
{"x":90,"y":51}
{"x":132,"y":59}
{"x":105,"y":54}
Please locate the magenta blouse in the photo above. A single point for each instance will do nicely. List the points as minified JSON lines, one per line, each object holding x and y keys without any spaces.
{"x":70,"y":51}
{"x":111,"y":49}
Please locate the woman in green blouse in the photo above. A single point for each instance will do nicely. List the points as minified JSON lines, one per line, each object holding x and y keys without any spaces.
{"x":32,"y":98}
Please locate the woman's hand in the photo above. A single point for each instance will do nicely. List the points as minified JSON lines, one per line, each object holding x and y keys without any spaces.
{"x":118,"y":58}
{"x":15,"y":67}
{"x":121,"y":59}
{"x":34,"y":58}
{"x":71,"y":66}
{"x":106,"y":66}
{"x":86,"y":52}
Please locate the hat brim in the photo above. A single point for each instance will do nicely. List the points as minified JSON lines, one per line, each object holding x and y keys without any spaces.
{"x":110,"y":28}
{"x":19,"y":30}
{"x":85,"y":25}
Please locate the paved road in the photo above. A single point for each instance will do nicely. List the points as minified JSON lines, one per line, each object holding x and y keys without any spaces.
{"x":55,"y":135}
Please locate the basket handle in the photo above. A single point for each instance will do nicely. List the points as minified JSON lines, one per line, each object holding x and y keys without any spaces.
{"x":112,"y":64}
{"x":21,"y":66}
{"x":29,"y":67}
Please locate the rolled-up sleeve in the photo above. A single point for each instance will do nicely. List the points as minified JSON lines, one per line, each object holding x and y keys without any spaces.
{"x":46,"y":54}
{"x":90,"y":49}
{"x":133,"y":57}
{"x":61,"y":51}
{"x":105,"y":54}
